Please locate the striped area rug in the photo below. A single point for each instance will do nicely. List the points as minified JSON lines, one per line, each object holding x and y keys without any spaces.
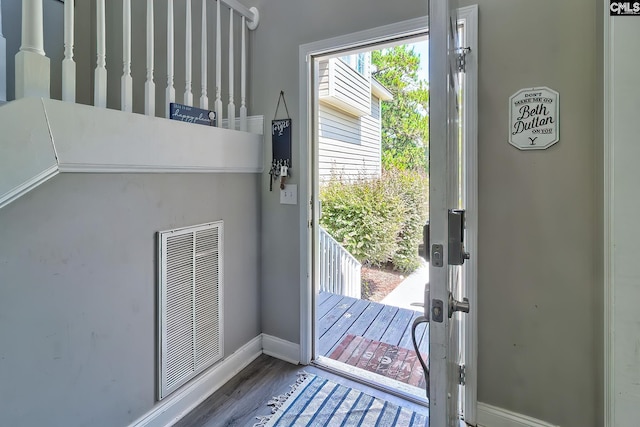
{"x":397,"y":363}
{"x":315,"y":401}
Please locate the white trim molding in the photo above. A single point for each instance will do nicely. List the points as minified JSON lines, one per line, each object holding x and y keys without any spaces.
{"x":492,"y":416}
{"x":468,"y":16}
{"x":183,"y":401}
{"x":281,"y":349}
{"x":63,"y":137}
{"x":608,"y":311}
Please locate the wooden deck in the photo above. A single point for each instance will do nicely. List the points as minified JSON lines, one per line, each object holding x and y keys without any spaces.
{"x":340,"y":316}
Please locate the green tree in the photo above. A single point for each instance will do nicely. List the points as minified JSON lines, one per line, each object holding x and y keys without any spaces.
{"x":405,"y":120}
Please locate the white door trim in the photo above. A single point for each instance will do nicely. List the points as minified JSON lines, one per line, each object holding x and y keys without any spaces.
{"x":307,"y":212}
{"x":469,"y":17}
{"x":609,"y":397}
{"x":410,"y":27}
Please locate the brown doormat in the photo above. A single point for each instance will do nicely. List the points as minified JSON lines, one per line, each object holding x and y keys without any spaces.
{"x":398,"y":363}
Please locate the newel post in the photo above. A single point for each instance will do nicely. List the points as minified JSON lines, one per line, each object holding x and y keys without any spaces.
{"x":32,"y":66}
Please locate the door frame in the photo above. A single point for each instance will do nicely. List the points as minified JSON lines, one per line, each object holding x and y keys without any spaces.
{"x":308,"y":209}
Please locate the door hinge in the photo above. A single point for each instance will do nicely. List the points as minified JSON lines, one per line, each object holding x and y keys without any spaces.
{"x":462,"y":374}
{"x":461,"y":58}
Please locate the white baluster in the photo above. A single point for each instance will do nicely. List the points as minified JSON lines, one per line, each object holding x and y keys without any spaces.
{"x":32,"y":66}
{"x":171,"y":91}
{"x":243,"y":79}
{"x":126,"y":85}
{"x":204,"y":99}
{"x":231,"y":109}
{"x":3,"y":62}
{"x":218,"y":104}
{"x":68,"y":64}
{"x":100,"y":89}
{"x":188,"y":95}
{"x":149,"y":85}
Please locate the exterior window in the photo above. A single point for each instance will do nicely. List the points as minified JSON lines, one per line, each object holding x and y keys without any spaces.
{"x":357,"y":61}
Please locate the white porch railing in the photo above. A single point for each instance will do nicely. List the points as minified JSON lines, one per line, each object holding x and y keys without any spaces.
{"x":339,"y":270}
{"x":32,"y":69}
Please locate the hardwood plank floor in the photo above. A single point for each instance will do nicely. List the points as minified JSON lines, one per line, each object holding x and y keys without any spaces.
{"x":241,"y":400}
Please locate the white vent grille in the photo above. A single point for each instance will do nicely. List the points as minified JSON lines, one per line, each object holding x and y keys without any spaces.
{"x":190,"y":303}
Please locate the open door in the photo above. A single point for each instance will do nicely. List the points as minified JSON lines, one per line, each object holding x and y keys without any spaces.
{"x":445,"y":302}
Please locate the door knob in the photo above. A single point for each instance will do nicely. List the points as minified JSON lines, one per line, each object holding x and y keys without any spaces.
{"x":455,"y":305}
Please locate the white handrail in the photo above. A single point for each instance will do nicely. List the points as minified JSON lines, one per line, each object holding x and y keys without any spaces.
{"x":32,"y":66}
{"x":340,"y":272}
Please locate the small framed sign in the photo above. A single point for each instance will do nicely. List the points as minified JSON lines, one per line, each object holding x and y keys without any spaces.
{"x":281,"y":139}
{"x":534,"y":118}
{"x":186,"y":113}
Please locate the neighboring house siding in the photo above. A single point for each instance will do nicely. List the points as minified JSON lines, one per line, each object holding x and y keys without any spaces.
{"x":323,"y":79}
{"x":349,"y":147}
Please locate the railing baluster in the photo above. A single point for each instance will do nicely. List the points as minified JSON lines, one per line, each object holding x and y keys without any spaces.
{"x":231,"y":109}
{"x":149,"y":85}
{"x":32,"y":66}
{"x":171,"y":91}
{"x":100,"y":89}
{"x":3,"y":62}
{"x":188,"y":95}
{"x":218,"y":104}
{"x":68,"y":64}
{"x":126,"y":83}
{"x":204,"y":99}
{"x":243,"y":78}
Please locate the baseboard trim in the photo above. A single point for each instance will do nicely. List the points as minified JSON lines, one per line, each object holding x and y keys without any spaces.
{"x":281,"y":349}
{"x":172,"y":409}
{"x":492,"y":416}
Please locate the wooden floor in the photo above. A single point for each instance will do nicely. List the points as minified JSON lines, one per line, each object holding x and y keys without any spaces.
{"x":245,"y":397}
{"x":340,"y":316}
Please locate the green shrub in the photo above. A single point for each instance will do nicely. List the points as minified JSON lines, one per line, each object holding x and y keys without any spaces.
{"x":378,"y":221}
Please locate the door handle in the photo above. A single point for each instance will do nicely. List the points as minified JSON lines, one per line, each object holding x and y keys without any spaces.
{"x":455,"y":305}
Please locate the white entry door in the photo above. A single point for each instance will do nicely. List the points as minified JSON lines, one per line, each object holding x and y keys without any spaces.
{"x":445,"y":303}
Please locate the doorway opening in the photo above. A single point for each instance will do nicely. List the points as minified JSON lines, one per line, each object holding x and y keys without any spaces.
{"x":312,"y":303}
{"x":371,"y":144}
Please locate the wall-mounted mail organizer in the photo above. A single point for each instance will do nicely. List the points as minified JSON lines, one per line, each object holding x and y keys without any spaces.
{"x":280,"y":146}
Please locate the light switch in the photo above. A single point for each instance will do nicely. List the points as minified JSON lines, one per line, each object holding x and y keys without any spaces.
{"x":289,"y":196}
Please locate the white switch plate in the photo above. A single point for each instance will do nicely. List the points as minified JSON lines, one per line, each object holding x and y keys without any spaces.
{"x":289,"y":196}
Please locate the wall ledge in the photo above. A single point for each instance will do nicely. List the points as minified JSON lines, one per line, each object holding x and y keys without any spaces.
{"x":44,"y":137}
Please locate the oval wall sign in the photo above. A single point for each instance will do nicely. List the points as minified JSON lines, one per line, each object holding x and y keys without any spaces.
{"x":534,"y":118}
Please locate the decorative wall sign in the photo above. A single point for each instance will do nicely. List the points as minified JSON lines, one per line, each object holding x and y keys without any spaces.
{"x":280,"y":146}
{"x":534,"y":121}
{"x":185,"y":113}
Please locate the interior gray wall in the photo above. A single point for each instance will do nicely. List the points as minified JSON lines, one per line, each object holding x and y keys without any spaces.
{"x":78,"y":289}
{"x":540,"y":288}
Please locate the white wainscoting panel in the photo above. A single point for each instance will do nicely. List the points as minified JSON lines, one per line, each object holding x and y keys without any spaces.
{"x":492,"y":416}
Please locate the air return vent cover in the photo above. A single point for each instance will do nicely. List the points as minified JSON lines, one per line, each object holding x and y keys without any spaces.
{"x":190,"y":303}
